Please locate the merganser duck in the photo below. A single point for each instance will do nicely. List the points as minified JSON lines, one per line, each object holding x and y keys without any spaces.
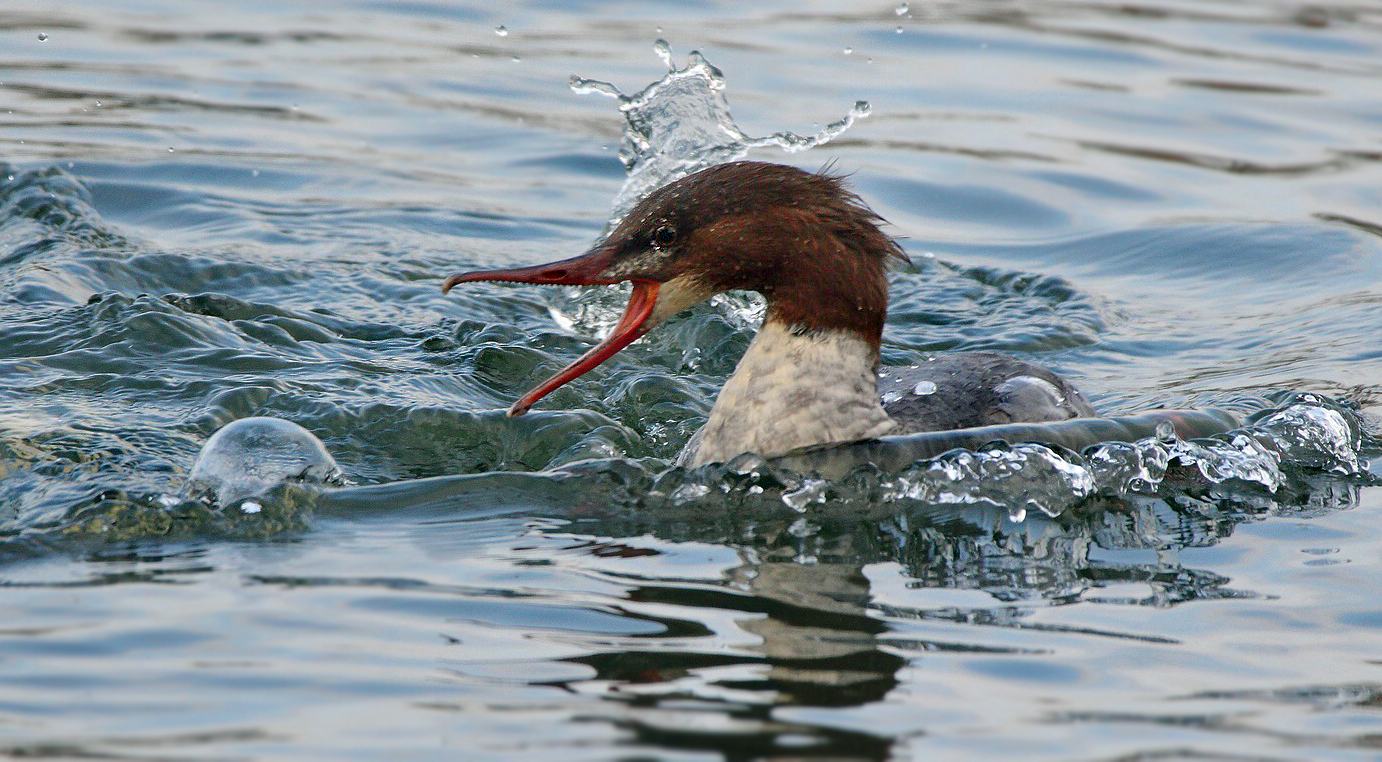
{"x":815,"y":252}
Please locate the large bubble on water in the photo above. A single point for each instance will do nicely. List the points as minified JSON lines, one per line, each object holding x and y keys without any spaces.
{"x":249,"y":457}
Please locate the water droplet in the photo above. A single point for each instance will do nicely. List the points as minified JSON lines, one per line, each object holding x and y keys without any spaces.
{"x":849,"y":51}
{"x":663,"y":49}
{"x":923,"y":388}
{"x":42,"y":36}
{"x":898,"y":30}
{"x":584,"y":86}
{"x":901,"y":10}
{"x":170,"y":149}
{"x":98,"y":104}
{"x":517,"y":59}
{"x":501,"y":30}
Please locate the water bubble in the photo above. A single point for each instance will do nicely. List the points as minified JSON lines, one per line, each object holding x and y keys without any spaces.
{"x":901,"y":10}
{"x":42,"y":36}
{"x":849,"y":51}
{"x":254,"y":173}
{"x":501,"y":30}
{"x":98,"y":104}
{"x":1166,"y":433}
{"x":170,"y":149}
{"x":516,"y":59}
{"x":246,"y":458}
{"x":898,"y":30}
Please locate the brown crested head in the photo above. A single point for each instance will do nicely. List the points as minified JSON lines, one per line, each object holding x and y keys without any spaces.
{"x":803,"y":240}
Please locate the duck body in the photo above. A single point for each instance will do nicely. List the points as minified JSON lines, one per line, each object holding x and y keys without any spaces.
{"x":811,"y":376}
{"x":801,"y":390}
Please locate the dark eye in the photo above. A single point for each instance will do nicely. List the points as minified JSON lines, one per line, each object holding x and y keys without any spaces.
{"x":665,"y":235}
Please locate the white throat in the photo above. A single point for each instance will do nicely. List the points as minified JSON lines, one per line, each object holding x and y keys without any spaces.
{"x":792,"y":390}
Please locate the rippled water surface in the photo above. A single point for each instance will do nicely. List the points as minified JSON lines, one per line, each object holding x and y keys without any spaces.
{"x":214,"y":211}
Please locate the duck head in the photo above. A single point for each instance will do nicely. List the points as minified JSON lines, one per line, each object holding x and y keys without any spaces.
{"x":810,"y":246}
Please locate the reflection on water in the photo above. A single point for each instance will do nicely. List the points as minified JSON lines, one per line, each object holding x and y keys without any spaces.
{"x":752,"y":626}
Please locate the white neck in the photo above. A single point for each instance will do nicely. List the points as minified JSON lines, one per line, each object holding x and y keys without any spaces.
{"x":792,"y":390}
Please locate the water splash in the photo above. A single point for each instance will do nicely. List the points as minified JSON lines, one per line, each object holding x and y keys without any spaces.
{"x":681,"y":124}
{"x":1019,"y":477}
{"x":1315,"y":433}
{"x":1306,"y":435}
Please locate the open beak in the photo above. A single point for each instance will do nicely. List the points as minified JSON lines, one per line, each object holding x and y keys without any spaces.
{"x":585,"y":270}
